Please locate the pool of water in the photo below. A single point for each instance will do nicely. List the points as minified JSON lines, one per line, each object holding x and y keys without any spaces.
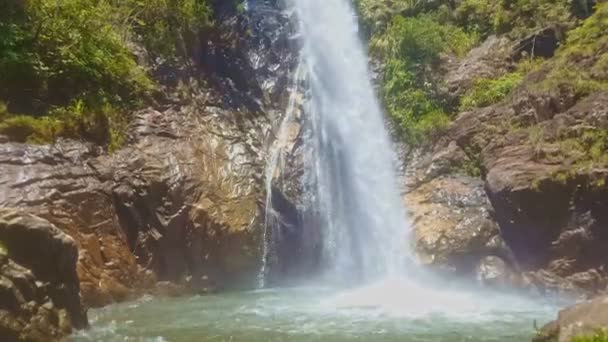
{"x":387,"y":311}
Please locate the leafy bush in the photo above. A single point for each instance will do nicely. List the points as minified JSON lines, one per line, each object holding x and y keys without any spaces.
{"x":411,"y":47}
{"x":53,"y":51}
{"x":166,"y":27}
{"x":66,"y":69}
{"x":517,"y":18}
{"x":377,"y":15}
{"x":581,"y":64}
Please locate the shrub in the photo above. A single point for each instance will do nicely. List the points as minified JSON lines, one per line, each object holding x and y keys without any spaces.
{"x":166,"y":27}
{"x":63,"y":50}
{"x":489,"y":91}
{"x":411,"y":47}
{"x":581,"y":63}
{"x":66,"y":68}
{"x":517,"y":18}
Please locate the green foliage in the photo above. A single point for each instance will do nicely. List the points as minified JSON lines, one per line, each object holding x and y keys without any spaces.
{"x":584,"y":152}
{"x":376,"y":15}
{"x":599,"y":336}
{"x":67,"y":69}
{"x":581,"y":64}
{"x":411,"y":47}
{"x":53,"y":51}
{"x":166,"y":27}
{"x":517,"y":18}
{"x":488,"y":91}
{"x":421,"y":39}
{"x":591,"y":147}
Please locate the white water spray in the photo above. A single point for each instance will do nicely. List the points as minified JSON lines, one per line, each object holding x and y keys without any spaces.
{"x":357,"y":194}
{"x":276,"y":162}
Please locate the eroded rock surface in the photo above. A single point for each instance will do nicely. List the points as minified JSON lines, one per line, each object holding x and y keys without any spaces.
{"x":39,"y":287}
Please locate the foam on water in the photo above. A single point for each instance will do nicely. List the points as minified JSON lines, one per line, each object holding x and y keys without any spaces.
{"x":379,"y":312}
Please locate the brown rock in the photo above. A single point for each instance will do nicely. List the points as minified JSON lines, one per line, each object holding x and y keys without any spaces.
{"x":489,"y":60}
{"x":453,"y":229}
{"x":578,"y":320}
{"x":39,"y":288}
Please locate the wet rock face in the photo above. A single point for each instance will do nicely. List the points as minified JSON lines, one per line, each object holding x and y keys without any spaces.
{"x":55,"y":183}
{"x":39,"y":287}
{"x":579,"y":320}
{"x":250,"y":55}
{"x":453,"y":227}
{"x":187,"y":192}
{"x":553,"y":224}
{"x":181,"y":200}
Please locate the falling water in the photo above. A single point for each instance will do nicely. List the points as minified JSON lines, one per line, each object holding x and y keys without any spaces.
{"x":275,"y":164}
{"x":357,"y":195}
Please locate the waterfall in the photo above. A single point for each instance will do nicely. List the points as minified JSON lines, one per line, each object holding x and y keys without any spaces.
{"x":363,"y":220}
{"x":274,"y":165}
{"x":349,"y":171}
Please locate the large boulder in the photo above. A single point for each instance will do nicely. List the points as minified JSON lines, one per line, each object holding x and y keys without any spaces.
{"x":489,"y":60}
{"x":187,"y":193}
{"x":543,"y":160}
{"x":182,"y":200}
{"x":583,"y":319}
{"x":453,"y":227}
{"x":39,"y":287}
{"x":56,"y":183}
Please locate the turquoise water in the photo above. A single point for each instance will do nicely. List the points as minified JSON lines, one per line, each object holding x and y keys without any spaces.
{"x":385,"y":312}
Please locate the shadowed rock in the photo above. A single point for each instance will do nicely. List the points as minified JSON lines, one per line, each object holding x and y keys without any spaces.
{"x":39,"y":288}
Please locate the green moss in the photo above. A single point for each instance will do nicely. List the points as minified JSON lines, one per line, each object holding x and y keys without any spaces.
{"x":599,"y":336}
{"x":97,"y":121}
